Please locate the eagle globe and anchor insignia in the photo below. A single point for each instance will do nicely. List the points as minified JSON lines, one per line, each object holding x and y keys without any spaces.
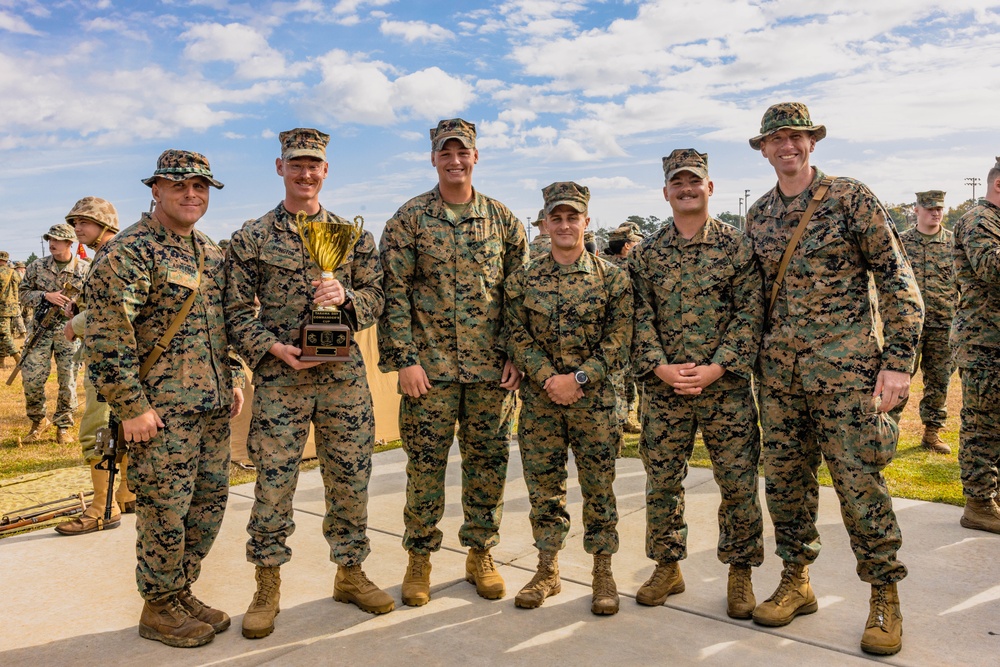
{"x":324,"y":336}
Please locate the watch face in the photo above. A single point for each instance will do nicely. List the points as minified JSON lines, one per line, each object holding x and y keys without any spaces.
{"x":581,"y":377}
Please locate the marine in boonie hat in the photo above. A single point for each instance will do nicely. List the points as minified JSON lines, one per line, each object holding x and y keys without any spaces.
{"x":303,"y":142}
{"x":96,"y":209}
{"x":792,"y":115}
{"x":569,"y":193}
{"x":453,"y":128}
{"x":178,"y":165}
{"x":60,"y":232}
{"x":4,"y":256}
{"x":931,"y":199}
{"x":685,"y":159}
{"x":537,"y":222}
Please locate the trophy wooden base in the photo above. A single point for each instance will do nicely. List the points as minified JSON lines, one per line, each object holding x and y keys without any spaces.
{"x":326,"y":339}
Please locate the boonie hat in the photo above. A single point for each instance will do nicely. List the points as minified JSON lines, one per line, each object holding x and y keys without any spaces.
{"x":793,"y":115}
{"x":541,"y":216}
{"x":60,"y":232}
{"x":177,"y":165}
{"x":685,"y":159}
{"x":4,"y":256}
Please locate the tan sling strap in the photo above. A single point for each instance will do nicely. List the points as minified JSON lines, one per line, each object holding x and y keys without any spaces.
{"x":175,"y":325}
{"x":793,"y":242}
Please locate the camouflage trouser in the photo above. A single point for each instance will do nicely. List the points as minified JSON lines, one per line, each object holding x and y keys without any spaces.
{"x":95,"y":416}
{"x":625,"y":392}
{"x":546,"y":431}
{"x":342,"y":415}
{"x":7,"y":346}
{"x":979,"y":438}
{"x":728,"y":423}
{"x":799,"y":430}
{"x":19,"y":327}
{"x":35,"y":372}
{"x":484,"y":412}
{"x":181,"y":483}
{"x":934,"y":359}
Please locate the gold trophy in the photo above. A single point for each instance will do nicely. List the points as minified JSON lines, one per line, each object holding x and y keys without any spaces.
{"x":324,"y":336}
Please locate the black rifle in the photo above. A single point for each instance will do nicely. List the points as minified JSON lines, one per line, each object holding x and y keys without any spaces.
{"x":45,"y":315}
{"x":113,"y":449}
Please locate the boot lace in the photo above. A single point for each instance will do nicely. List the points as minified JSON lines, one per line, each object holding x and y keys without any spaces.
{"x":544,"y":572}
{"x":741,"y":583}
{"x":417,"y":563}
{"x":361,"y":580}
{"x":266,"y":585}
{"x":785,"y":586}
{"x":484,"y":562}
{"x":880,"y":611}
{"x":604,"y":583}
{"x":660,"y":574}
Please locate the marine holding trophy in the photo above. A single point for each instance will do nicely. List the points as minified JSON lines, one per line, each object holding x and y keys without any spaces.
{"x":300,"y":261}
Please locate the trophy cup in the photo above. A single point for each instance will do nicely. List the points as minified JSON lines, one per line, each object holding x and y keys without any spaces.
{"x":324,"y":336}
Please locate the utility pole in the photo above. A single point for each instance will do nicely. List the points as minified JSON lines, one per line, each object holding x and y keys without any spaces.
{"x":742,"y":226}
{"x":973,"y":181}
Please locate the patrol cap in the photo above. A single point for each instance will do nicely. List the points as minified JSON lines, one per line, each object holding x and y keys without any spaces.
{"x":627,"y":231}
{"x":96,"y":209}
{"x":20,"y":265}
{"x":60,"y":232}
{"x":454,"y":128}
{"x":537,"y":222}
{"x":567,"y":192}
{"x":931,"y":199}
{"x":792,"y":115}
{"x":177,"y":165}
{"x":685,"y":159}
{"x":303,"y":142}
{"x":4,"y":256}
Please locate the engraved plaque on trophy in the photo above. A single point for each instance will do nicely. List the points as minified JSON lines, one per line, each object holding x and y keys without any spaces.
{"x":324,"y":336}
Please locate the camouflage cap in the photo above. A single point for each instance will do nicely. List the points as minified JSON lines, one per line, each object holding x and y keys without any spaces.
{"x":931,"y":199}
{"x":4,"y":256}
{"x":303,"y":142}
{"x":99,"y":210}
{"x":568,"y":193}
{"x":685,"y":159}
{"x":60,"y":232}
{"x":589,"y":238}
{"x":177,"y":165}
{"x":20,"y":265}
{"x":627,"y":231}
{"x":537,"y":222}
{"x":454,"y":128}
{"x":794,"y":115}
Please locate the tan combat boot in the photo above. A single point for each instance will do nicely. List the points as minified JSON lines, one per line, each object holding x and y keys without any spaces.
{"x":604,"y":600}
{"x":631,"y":424}
{"x":481,"y":571}
{"x":981,"y":514}
{"x":665,"y":581}
{"x":218,"y":619}
{"x":884,"y":630}
{"x":259,"y":620}
{"x":92,"y":518}
{"x":64,"y":436}
{"x":352,"y":585}
{"x":168,"y":622}
{"x":740,"y":600}
{"x":124,"y":495}
{"x":793,"y":596}
{"x":37,"y":429}
{"x":932,"y":441}
{"x":416,"y":591}
{"x":544,"y":584}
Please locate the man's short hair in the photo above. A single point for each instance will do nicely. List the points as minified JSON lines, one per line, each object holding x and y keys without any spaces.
{"x":615,"y":247}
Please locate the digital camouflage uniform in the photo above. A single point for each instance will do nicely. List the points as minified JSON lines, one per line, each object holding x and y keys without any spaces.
{"x":626,"y":394}
{"x":542,"y":243}
{"x":818,"y":366}
{"x":44,"y":275}
{"x":699,"y":301}
{"x":560,"y":319}
{"x":181,"y":475}
{"x":10,"y":307}
{"x":975,"y":339}
{"x":932,"y":259}
{"x":443,"y":310}
{"x":268,"y":260}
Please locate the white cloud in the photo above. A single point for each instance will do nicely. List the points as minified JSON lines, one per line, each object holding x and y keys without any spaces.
{"x":356,"y":90}
{"x":415,"y":31}
{"x":239,"y":44}
{"x":16,"y":24}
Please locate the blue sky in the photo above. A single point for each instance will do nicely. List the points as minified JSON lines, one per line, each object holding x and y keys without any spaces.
{"x":91,"y":91}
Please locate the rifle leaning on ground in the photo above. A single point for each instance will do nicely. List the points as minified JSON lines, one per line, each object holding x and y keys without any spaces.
{"x":44,"y":511}
{"x":112,"y":446}
{"x":45,"y":316}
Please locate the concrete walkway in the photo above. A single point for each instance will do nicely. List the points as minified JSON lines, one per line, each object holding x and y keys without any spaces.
{"x":72,"y":601}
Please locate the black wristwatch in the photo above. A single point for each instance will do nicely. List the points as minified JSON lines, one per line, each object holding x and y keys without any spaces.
{"x":581,"y":377}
